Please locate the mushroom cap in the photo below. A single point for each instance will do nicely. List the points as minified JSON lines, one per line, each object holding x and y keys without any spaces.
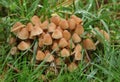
{"x":63,"y":43}
{"x":23,"y":34}
{"x":58,"y":61}
{"x":105,"y":34}
{"x":63,"y":24}
{"x":79,"y":29}
{"x":29,"y":26}
{"x":40,"y":55}
{"x":78,"y":56}
{"x":49,"y":57}
{"x":12,"y":40}
{"x":72,"y":66}
{"x":55,"y":46}
{"x":23,"y":45}
{"x":65,"y":52}
{"x":13,"y":50}
{"x":66,"y":34}
{"x":77,"y":19}
{"x":76,"y":38}
{"x":51,"y":27}
{"x":88,"y":44}
{"x":44,"y":25}
{"x":71,"y":45}
{"x":41,"y":42}
{"x":78,"y":48}
{"x":35,"y":20}
{"x":55,"y":19}
{"x":57,"y":34}
{"x":72,"y":24}
{"x":36,"y":31}
{"x":47,"y":40}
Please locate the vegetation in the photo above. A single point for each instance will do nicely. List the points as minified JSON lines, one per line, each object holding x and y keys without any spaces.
{"x":105,"y":60}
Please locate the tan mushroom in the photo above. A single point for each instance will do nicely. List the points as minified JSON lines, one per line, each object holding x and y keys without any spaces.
{"x":55,"y":19}
{"x":72,"y":67}
{"x":29,"y":26}
{"x":41,"y":42}
{"x":23,"y":45}
{"x":76,"y":38}
{"x":63,"y":43}
{"x":58,"y":61}
{"x":49,"y":57}
{"x":12,"y":40}
{"x":78,"y":48}
{"x":66,"y":35}
{"x":77,"y":19}
{"x":71,"y":45}
{"x":40,"y":55}
{"x":72,"y":24}
{"x":36,"y":20}
{"x":51,"y":27}
{"x":105,"y":34}
{"x":55,"y":46}
{"x":47,"y":40}
{"x":88,"y":44}
{"x":63,"y":24}
{"x":78,"y":55}
{"x":44,"y":25}
{"x":57,"y":34}
{"x":79,"y":29}
{"x":23,"y":34}
{"x":65,"y":53}
{"x":13,"y":50}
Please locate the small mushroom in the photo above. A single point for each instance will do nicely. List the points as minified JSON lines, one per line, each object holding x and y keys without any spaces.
{"x":49,"y":57}
{"x":66,"y":34}
{"x":63,"y":43}
{"x":29,"y":27}
{"x":44,"y":25}
{"x":78,"y":55}
{"x":79,"y":29}
{"x":77,"y":19}
{"x":57,"y":34}
{"x":13,"y":50}
{"x":72,"y":24}
{"x":78,"y":48}
{"x":36,"y":20}
{"x":41,"y":42}
{"x":55,"y":19}
{"x":55,"y":46}
{"x":88,"y":44}
{"x":65,"y":52}
{"x":40,"y":55}
{"x":76,"y":38}
{"x":105,"y":34}
{"x":63,"y":24}
{"x":51,"y":27}
{"x":12,"y":40}
{"x":71,"y":45}
{"x":23,"y":34}
{"x":47,"y":40}
{"x":58,"y":61}
{"x":72,"y":67}
{"x":23,"y":45}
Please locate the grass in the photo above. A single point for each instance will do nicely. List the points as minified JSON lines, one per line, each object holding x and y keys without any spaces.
{"x":105,"y":61}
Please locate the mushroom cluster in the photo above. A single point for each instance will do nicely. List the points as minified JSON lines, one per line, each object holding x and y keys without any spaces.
{"x":59,"y":39}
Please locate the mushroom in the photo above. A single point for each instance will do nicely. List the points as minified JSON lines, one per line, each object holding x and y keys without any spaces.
{"x":76,"y":38}
{"x":23,"y":45}
{"x":77,"y":19}
{"x":47,"y":40}
{"x":36,"y":20}
{"x":105,"y":34}
{"x":72,"y":67}
{"x":23,"y":34}
{"x":88,"y":44}
{"x":41,"y":42}
{"x":13,"y":50}
{"x":78,"y":55}
{"x":79,"y":29}
{"x":55,"y":19}
{"x":49,"y":57}
{"x":63,"y":24}
{"x":51,"y":27}
{"x":58,"y":61}
{"x":29,"y":26}
{"x":55,"y":46}
{"x":71,"y":45}
{"x":72,"y":24}
{"x":78,"y":48}
{"x":66,"y":34}
{"x":40,"y":55}
{"x":36,"y":31}
{"x":44,"y":25}
{"x":63,"y":43}
{"x":57,"y":34}
{"x":65,"y":53}
{"x":12,"y":40}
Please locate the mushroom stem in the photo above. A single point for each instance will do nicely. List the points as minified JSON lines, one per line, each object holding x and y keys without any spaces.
{"x":87,"y":55}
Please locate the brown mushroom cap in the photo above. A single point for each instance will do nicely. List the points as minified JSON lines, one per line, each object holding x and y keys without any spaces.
{"x":55,"y":46}
{"x":49,"y":57}
{"x":47,"y":40}
{"x":78,"y":48}
{"x":79,"y":29}
{"x":13,"y":50}
{"x":105,"y":34}
{"x":36,"y":31}
{"x":29,"y":26}
{"x":12,"y":40}
{"x":44,"y":25}
{"x":72,"y":24}
{"x":41,"y":42}
{"x":71,"y":45}
{"x":88,"y":44}
{"x":40,"y":55}
{"x":58,"y":61}
{"x":66,"y":34}
{"x":76,"y":38}
{"x":23,"y":34}
{"x":23,"y":45}
{"x":78,"y":55}
{"x":65,"y":52}
{"x":63,"y":43}
{"x":55,"y":19}
{"x":77,"y":19}
{"x":72,"y":67}
{"x":57,"y":34}
{"x":51,"y":27}
{"x":63,"y":24}
{"x":35,"y":20}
